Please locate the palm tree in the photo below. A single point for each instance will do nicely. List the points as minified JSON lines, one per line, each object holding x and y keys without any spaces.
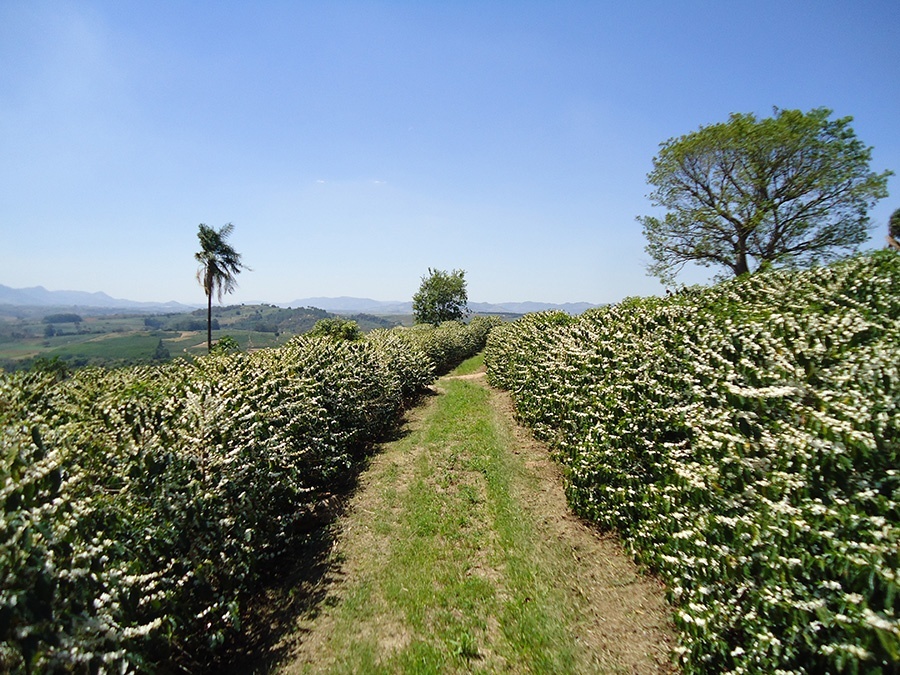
{"x":219,"y":265}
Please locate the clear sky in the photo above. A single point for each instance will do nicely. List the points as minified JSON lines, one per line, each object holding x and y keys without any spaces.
{"x":356,"y":144}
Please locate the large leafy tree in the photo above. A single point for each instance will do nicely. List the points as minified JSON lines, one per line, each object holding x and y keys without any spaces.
{"x":894,"y":228}
{"x":219,"y":266}
{"x":441,"y":297}
{"x":789,"y":190}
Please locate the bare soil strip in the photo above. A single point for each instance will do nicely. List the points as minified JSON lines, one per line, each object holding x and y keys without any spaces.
{"x":609,"y":617}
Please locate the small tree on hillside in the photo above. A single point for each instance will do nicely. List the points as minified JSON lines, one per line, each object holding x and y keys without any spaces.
{"x":788,"y":190}
{"x":226,"y":345}
{"x":161,"y":353}
{"x":337,"y":328}
{"x":219,"y":266}
{"x":441,"y":297}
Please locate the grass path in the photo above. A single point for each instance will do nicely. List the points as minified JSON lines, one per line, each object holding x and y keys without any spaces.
{"x":457,"y":554}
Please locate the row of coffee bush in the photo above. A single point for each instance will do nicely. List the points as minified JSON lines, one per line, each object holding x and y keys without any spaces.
{"x":744,"y":440}
{"x":141,"y":505}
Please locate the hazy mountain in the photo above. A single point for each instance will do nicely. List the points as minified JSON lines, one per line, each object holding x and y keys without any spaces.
{"x":345,"y":305}
{"x":526,"y":307}
{"x":38,"y":296}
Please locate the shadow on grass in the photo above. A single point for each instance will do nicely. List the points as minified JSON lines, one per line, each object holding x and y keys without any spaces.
{"x":299,"y":580}
{"x":297,"y":588}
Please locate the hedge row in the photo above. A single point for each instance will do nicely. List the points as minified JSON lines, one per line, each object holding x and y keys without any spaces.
{"x":745,"y":441}
{"x":141,"y":505}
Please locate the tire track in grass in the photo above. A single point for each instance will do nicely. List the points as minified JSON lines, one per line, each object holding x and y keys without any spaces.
{"x":458,"y":555}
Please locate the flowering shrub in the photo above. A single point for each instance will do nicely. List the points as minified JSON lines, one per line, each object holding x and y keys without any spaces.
{"x":743,"y":439}
{"x":451,"y":342}
{"x":140,"y":505}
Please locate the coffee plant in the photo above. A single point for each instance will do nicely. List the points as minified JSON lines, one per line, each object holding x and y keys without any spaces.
{"x":744,"y":440}
{"x":140,"y":506}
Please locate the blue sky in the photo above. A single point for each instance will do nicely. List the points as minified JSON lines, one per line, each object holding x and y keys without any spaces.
{"x":356,"y":144}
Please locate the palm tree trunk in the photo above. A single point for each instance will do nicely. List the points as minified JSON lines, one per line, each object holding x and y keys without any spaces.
{"x":209,"y":321}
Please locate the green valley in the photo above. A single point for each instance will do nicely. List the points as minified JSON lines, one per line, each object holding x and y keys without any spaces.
{"x":95,"y":336}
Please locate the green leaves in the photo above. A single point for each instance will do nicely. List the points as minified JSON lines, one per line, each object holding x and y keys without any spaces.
{"x":743,"y":439}
{"x":141,"y":505}
{"x":441,"y":297}
{"x":789,"y":190}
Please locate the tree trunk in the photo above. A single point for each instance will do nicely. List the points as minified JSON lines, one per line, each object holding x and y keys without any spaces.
{"x":209,"y":321}
{"x":740,"y":250}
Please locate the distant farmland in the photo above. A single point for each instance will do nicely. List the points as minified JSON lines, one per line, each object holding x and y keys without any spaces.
{"x":82,"y":336}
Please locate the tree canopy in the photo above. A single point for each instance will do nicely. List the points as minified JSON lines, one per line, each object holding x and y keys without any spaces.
{"x":441,"y":297}
{"x":789,"y":190}
{"x":63,"y":318}
{"x":894,"y":225}
{"x":336,"y":328}
{"x":219,"y":266}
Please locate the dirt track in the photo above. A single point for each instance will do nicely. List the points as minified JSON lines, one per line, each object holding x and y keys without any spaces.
{"x":619,"y":618}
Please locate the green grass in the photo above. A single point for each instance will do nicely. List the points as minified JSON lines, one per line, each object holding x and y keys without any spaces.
{"x":118,"y":339}
{"x":132,"y":347}
{"x":111,"y":348}
{"x":469,"y":366}
{"x":118,"y":348}
{"x":453,"y":575}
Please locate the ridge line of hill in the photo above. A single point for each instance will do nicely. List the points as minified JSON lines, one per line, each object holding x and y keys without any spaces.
{"x":38,"y":296}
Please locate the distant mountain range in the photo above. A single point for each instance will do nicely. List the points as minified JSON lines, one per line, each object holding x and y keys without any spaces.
{"x":345,"y":305}
{"x":38,"y":296}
